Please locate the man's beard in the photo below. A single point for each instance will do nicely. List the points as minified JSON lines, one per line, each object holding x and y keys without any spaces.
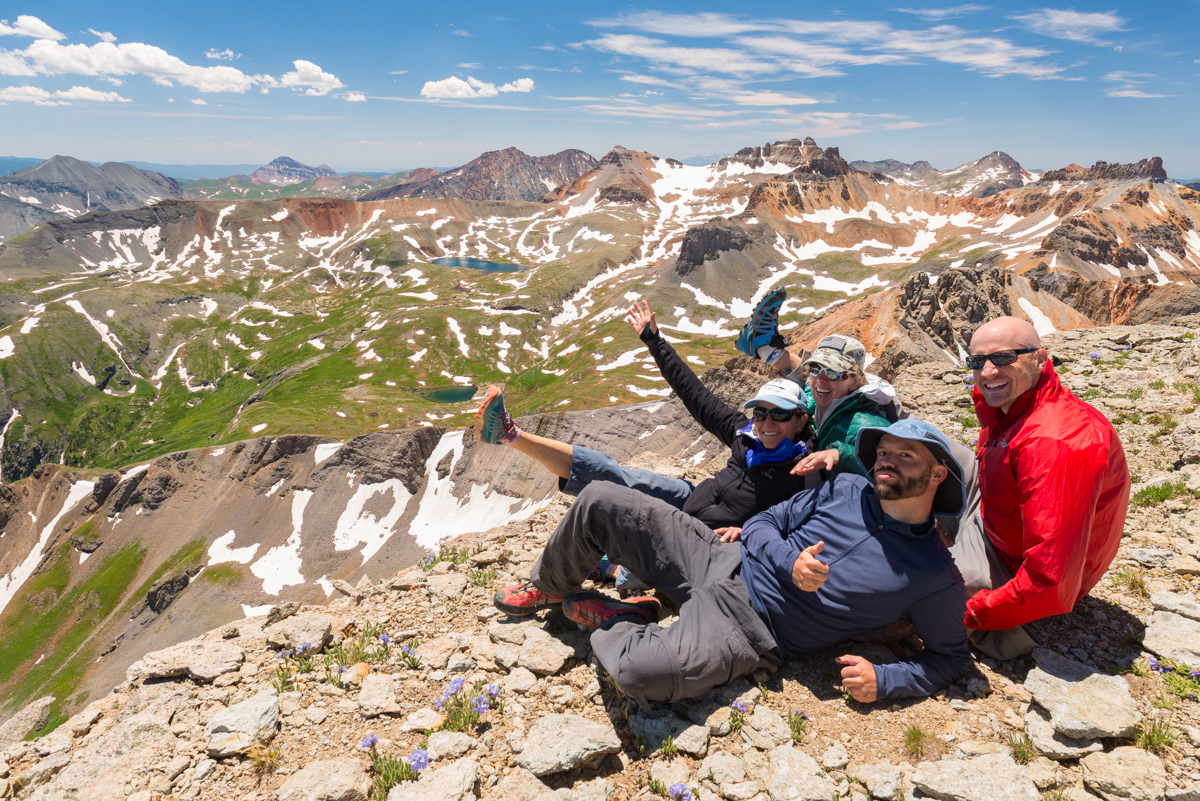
{"x":899,"y":488}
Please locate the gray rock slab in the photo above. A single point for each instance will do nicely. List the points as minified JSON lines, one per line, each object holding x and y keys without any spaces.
{"x":340,"y":779}
{"x":455,"y":782}
{"x":1083,"y":703}
{"x":15,"y":728}
{"x":449,"y":744}
{"x":1189,"y":793}
{"x":1125,"y":774}
{"x":724,"y":767}
{"x":766,"y":728}
{"x":377,"y":696}
{"x":882,"y":780}
{"x":659,"y":724}
{"x":557,"y":743}
{"x":1050,"y":743}
{"x":236,"y":729}
{"x":450,"y":586}
{"x":1177,"y":603}
{"x":512,"y":630}
{"x":543,"y":654}
{"x":1151,"y":557}
{"x":202,"y":660}
{"x":991,"y":777}
{"x":422,"y":720}
{"x":44,"y":770}
{"x":835,"y":757}
{"x":295,"y":631}
{"x":1173,"y":637}
{"x":715,"y":716}
{"x":797,"y":777}
{"x":518,"y":785}
{"x":520,"y":681}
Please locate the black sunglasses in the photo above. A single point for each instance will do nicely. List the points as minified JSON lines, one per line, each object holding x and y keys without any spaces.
{"x":1000,"y":358}
{"x":778,"y":415}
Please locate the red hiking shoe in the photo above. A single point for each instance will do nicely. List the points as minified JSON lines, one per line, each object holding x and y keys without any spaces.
{"x":524,"y":599}
{"x":593,"y":609}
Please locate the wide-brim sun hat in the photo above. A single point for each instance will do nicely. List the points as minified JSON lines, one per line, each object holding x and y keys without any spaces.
{"x":951,"y":496}
{"x":782,"y":392}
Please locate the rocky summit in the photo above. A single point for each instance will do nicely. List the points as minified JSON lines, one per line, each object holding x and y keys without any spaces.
{"x":408,"y":684}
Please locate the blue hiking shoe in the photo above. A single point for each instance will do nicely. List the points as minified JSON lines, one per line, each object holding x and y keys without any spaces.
{"x":763,"y":326}
{"x":493,"y":424}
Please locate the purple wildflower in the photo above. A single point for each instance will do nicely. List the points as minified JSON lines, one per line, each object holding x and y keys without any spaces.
{"x":1094,"y":355}
{"x":493,"y":691}
{"x":479,"y":704}
{"x":369,"y":742}
{"x":679,"y":792}
{"x":738,"y":707}
{"x":419,"y":759}
{"x":385,"y":639}
{"x":456,"y":685}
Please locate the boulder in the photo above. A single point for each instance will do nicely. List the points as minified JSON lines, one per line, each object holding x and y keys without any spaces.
{"x":340,"y":779}
{"x":450,"y":586}
{"x":423,"y":720}
{"x":985,"y":778}
{"x":882,"y":780}
{"x":378,"y":696}
{"x":1177,"y":603}
{"x":236,"y":729}
{"x":520,"y":681}
{"x":1173,"y":637}
{"x":295,"y":631}
{"x":449,"y":744}
{"x":543,"y":654}
{"x":659,"y":724}
{"x":724,"y":767}
{"x":518,"y":785}
{"x":798,"y":777}
{"x":766,"y":728}
{"x":835,"y":757}
{"x":716,"y":717}
{"x":455,"y":782}
{"x":558,"y":743}
{"x":1125,"y":774}
{"x":163,"y":591}
{"x":202,"y":660}
{"x":1050,"y":743}
{"x":1083,"y":703}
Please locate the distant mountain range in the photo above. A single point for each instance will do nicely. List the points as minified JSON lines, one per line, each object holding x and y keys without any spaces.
{"x":983,"y":177}
{"x":497,"y":175}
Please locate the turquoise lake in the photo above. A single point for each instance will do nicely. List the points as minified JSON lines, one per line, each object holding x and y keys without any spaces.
{"x":483,"y":265}
{"x":449,"y":394}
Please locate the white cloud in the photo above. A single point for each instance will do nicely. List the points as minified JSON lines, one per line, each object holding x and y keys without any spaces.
{"x":942,"y":13}
{"x":42,"y":97}
{"x":102,"y":35}
{"x":355,"y":97}
{"x":29,"y":26}
{"x":398,"y":72}
{"x":199,"y":102}
{"x":455,"y":88}
{"x":308,"y":74}
{"x":222,"y":55}
{"x":461,"y":33}
{"x":1129,"y":85}
{"x":1076,"y":26}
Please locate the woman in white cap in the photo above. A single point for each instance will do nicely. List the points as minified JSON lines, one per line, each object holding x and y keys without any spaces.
{"x":842,"y":398}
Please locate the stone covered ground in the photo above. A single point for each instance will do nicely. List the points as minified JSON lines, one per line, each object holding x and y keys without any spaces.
{"x":1098,"y":711}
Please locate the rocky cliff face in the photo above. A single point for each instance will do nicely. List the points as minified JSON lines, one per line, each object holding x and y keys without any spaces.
{"x":1103,"y":171}
{"x":284,"y":171}
{"x":184,"y":721}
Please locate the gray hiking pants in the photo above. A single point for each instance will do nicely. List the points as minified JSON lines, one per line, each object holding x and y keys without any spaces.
{"x":718,"y":636}
{"x":980,"y":565}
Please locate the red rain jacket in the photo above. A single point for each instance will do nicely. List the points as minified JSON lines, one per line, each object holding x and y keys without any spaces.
{"x":1055,"y":487}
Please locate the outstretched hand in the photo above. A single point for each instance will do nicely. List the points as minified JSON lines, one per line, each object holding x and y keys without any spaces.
{"x":858,"y":678}
{"x":821,"y":460}
{"x":641,"y":316}
{"x":808,"y":572}
{"x":729,"y":533}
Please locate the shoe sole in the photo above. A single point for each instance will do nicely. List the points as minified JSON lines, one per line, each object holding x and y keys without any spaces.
{"x":746,"y":338}
{"x":649,"y":605}
{"x":480,"y":432}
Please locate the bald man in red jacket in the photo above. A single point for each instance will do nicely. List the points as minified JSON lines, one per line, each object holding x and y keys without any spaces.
{"x":1053,"y":488}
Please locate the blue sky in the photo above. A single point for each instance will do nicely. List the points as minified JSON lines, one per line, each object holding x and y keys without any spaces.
{"x":375,"y":85}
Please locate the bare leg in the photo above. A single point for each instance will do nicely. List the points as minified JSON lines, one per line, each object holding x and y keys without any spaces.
{"x":788,"y":363}
{"x":553,"y":455}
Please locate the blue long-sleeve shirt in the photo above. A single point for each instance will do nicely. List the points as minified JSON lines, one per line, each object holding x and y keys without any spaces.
{"x":880,"y":571}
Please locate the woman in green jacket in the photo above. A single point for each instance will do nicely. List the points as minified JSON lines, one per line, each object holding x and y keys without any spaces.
{"x":842,"y":398}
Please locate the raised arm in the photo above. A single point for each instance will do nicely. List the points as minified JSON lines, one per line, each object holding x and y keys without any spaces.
{"x":707,"y":409}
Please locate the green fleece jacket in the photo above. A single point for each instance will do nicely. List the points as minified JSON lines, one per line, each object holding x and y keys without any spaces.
{"x":838,"y":430}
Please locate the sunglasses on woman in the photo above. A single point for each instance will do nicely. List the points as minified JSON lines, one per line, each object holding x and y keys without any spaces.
{"x":815,"y":370}
{"x":778,"y":415}
{"x":1001,"y":358}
